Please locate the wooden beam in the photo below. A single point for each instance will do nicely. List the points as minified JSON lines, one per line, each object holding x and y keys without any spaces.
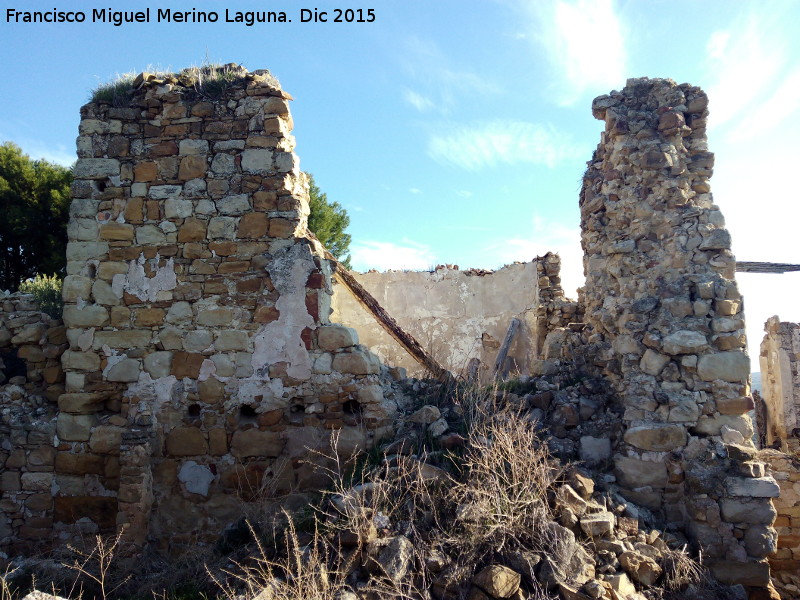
{"x":405,"y":339}
{"x":502,"y":354}
{"x":764,"y":267}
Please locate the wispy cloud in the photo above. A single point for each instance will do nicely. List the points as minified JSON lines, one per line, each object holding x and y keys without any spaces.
{"x":415,"y":191}
{"x":382,"y":256}
{"x":418,"y":101}
{"x":464,"y":193}
{"x":495,"y":142}
{"x":783,"y":103}
{"x":440,"y":80}
{"x":570,"y":33}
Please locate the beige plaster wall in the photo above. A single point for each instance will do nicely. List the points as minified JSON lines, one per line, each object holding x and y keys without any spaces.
{"x":455,"y":315}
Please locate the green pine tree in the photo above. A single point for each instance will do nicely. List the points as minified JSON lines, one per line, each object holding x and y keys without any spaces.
{"x":34,"y":204}
{"x":327,"y":221}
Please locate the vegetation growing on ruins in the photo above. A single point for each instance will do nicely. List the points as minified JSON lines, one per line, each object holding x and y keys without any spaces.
{"x":34,"y":201}
{"x":328,"y":221}
{"x":47,"y":292}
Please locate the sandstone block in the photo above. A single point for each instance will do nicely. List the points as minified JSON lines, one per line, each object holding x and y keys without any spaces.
{"x":193,"y":147}
{"x":257,"y":160}
{"x":81,"y":403}
{"x":106,"y":439}
{"x":103,"y":294}
{"x":76,"y":286}
{"x":634,"y":473}
{"x":598,"y":524}
{"x":157,"y":364}
{"x":653,"y":362}
{"x":253,"y":225}
{"x":752,"y":487}
{"x":735,"y":406}
{"x":150,"y":235}
{"x":215,"y":317}
{"x":84,"y":251}
{"x":164,"y":192}
{"x":656,"y":437}
{"x":186,"y":441}
{"x":192,"y":167}
{"x":36,"y":482}
{"x":185,"y":364}
{"x":354,"y":363}
{"x":684,"y":342}
{"x":122,"y":339}
{"x":755,"y":511}
{"x":75,"y":428}
{"x":80,"y":361}
{"x":211,"y":391}
{"x":197,"y":341}
{"x":733,"y":366}
{"x":222,"y":228}
{"x":231,"y":341}
{"x":282,"y":228}
{"x":498,"y":581}
{"x":234,"y":205}
{"x":91,"y":315}
{"x":96,"y":168}
{"x":192,"y":230}
{"x":114,"y":231}
{"x":334,"y":337}
{"x":745,"y":573}
{"x":253,"y":442}
{"x":127,"y":370}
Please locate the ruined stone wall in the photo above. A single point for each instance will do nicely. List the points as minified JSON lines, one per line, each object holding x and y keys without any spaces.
{"x":666,"y":325}
{"x":201,"y":361}
{"x":785,"y":468}
{"x":780,"y":383}
{"x":31,"y":380}
{"x":457,"y":316}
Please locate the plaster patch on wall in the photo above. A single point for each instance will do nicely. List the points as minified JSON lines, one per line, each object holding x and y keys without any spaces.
{"x":195,"y":478}
{"x":137,"y":283}
{"x":280,"y":341}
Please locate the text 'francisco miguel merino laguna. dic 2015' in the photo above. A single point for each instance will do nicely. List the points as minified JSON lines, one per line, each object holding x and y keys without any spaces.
{"x":168,"y":15}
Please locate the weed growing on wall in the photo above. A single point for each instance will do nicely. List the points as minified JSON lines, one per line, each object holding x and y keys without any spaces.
{"x":46,"y":291}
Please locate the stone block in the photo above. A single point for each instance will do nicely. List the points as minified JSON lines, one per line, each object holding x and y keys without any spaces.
{"x":192,"y":167}
{"x":735,"y":406}
{"x":125,"y":371}
{"x":80,"y":361}
{"x":231,"y":341}
{"x":90,"y":315}
{"x":635,"y":473}
{"x":193,"y":147}
{"x":234,"y":205}
{"x":96,"y":168}
{"x":157,"y":364}
{"x":755,"y":573}
{"x":684,"y":342}
{"x":211,"y":391}
{"x":257,"y":160}
{"x":186,"y":441}
{"x":656,"y":437}
{"x":653,"y":362}
{"x":36,"y":482}
{"x":106,"y":439}
{"x":214,"y":317}
{"x":253,"y":225}
{"x":354,"y":363}
{"x":123,"y":338}
{"x":733,"y":366}
{"x":75,"y":428}
{"x":10,"y":481}
{"x":253,"y":442}
{"x":185,"y":364}
{"x":114,"y":231}
{"x":741,"y":510}
{"x":192,"y":230}
{"x":177,"y":208}
{"x":752,"y":487}
{"x":81,"y":403}
{"x":335,"y":337}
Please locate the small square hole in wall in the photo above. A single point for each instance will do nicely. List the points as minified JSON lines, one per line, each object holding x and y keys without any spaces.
{"x":352,"y":412}
{"x":247,"y":414}
{"x":193,"y":411}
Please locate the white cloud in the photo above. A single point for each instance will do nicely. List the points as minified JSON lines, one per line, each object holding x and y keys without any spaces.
{"x":464,"y":193}
{"x":383,"y":256}
{"x":783,"y":103}
{"x":752,"y":50}
{"x":415,"y":191}
{"x":418,"y":101}
{"x":570,"y":32}
{"x":491,"y":143}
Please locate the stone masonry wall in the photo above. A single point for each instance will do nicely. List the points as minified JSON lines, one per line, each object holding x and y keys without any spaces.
{"x":780,"y":383}
{"x":31,"y":380}
{"x":201,"y":362}
{"x":786,"y":470}
{"x":458,"y":316}
{"x":666,"y":325}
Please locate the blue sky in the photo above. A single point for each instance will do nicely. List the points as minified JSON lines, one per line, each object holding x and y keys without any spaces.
{"x":457,"y":131}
